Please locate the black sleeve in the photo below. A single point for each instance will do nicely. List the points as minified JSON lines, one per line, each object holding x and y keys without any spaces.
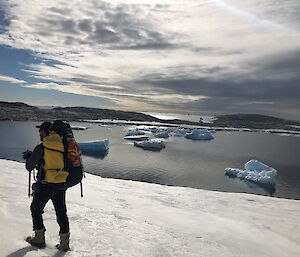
{"x":35,"y":158}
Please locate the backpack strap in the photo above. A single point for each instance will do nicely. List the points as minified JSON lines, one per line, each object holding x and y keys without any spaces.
{"x":53,"y":149}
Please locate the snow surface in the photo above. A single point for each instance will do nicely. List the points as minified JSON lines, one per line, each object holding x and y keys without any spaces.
{"x":135,"y":219}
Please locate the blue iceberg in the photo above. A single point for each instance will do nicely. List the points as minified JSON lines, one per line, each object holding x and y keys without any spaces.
{"x":199,"y":134}
{"x":95,"y":148}
{"x":134,"y":132}
{"x":254,"y":171}
{"x":163,"y":134}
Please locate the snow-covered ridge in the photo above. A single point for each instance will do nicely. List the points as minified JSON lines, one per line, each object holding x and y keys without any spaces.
{"x":124,"y":218}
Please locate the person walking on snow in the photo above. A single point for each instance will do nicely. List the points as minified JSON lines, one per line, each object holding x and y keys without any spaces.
{"x":47,"y":158}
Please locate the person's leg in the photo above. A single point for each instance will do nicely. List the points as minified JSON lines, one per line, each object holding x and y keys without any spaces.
{"x":59,"y":201}
{"x":40,"y":199}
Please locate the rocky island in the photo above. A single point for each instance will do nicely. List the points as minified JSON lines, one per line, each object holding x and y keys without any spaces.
{"x":16,"y":111}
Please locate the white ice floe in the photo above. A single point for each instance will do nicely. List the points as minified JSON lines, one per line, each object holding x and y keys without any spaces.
{"x":254,"y":171}
{"x":121,"y":218}
{"x":151,"y":144}
{"x":199,"y":134}
{"x":179,"y":132}
{"x":95,"y":145}
{"x":136,"y":137}
{"x":78,"y":127}
{"x":208,"y":119}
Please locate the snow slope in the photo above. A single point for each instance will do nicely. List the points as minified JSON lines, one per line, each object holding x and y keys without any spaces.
{"x":125,"y":218}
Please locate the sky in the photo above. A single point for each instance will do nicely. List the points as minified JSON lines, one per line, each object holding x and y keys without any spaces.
{"x":176,"y":56}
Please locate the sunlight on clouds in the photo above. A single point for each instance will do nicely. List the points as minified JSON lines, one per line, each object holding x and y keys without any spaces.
{"x":175,"y":98}
{"x":131,"y":52}
{"x":12,"y":80}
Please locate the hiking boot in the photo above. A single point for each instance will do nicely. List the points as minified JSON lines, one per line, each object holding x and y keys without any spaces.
{"x":64,"y":242}
{"x":38,"y":240}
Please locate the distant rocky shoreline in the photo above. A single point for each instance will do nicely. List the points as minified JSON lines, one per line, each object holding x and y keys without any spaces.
{"x":16,"y":111}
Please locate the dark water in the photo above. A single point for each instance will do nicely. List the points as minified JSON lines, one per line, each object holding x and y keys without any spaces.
{"x":198,"y":164}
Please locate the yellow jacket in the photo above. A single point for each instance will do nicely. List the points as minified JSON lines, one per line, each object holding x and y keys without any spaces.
{"x":54,"y":166}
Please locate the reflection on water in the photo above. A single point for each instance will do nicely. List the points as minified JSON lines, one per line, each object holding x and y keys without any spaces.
{"x":182,"y":163}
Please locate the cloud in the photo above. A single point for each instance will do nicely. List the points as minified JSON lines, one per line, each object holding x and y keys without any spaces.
{"x":12,"y":80}
{"x":222,"y":55}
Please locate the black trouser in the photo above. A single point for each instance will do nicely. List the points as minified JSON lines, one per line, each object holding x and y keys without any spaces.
{"x":42,"y":195}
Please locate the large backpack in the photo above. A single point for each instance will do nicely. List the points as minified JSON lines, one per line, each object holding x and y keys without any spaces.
{"x":72,"y":154}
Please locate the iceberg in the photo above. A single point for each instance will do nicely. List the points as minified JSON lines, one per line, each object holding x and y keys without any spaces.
{"x":163,"y":134}
{"x":153,"y":129}
{"x":136,"y":137}
{"x":95,"y":148}
{"x":254,"y":171}
{"x":134,"y":132}
{"x":179,"y":132}
{"x":199,"y":134}
{"x":151,"y":144}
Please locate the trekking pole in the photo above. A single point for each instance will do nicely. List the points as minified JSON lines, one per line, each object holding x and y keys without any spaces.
{"x":81,"y":189}
{"x":29,"y":183}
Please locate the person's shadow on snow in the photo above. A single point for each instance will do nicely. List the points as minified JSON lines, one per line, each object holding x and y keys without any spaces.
{"x":23,"y":251}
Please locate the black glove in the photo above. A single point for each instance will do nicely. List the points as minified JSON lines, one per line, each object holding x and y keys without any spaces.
{"x":26,"y":154}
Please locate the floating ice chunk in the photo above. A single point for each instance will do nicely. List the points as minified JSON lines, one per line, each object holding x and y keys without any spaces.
{"x":163,"y":134}
{"x":255,"y":171}
{"x":136,"y":137}
{"x":231,"y":172}
{"x":78,"y":127}
{"x":208,"y":119}
{"x":153,"y":129}
{"x":259,"y":172}
{"x":262,"y":177}
{"x":135,"y":132}
{"x":151,"y":144}
{"x":179,"y":132}
{"x":199,"y":134}
{"x":255,"y":165}
{"x":95,"y":145}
